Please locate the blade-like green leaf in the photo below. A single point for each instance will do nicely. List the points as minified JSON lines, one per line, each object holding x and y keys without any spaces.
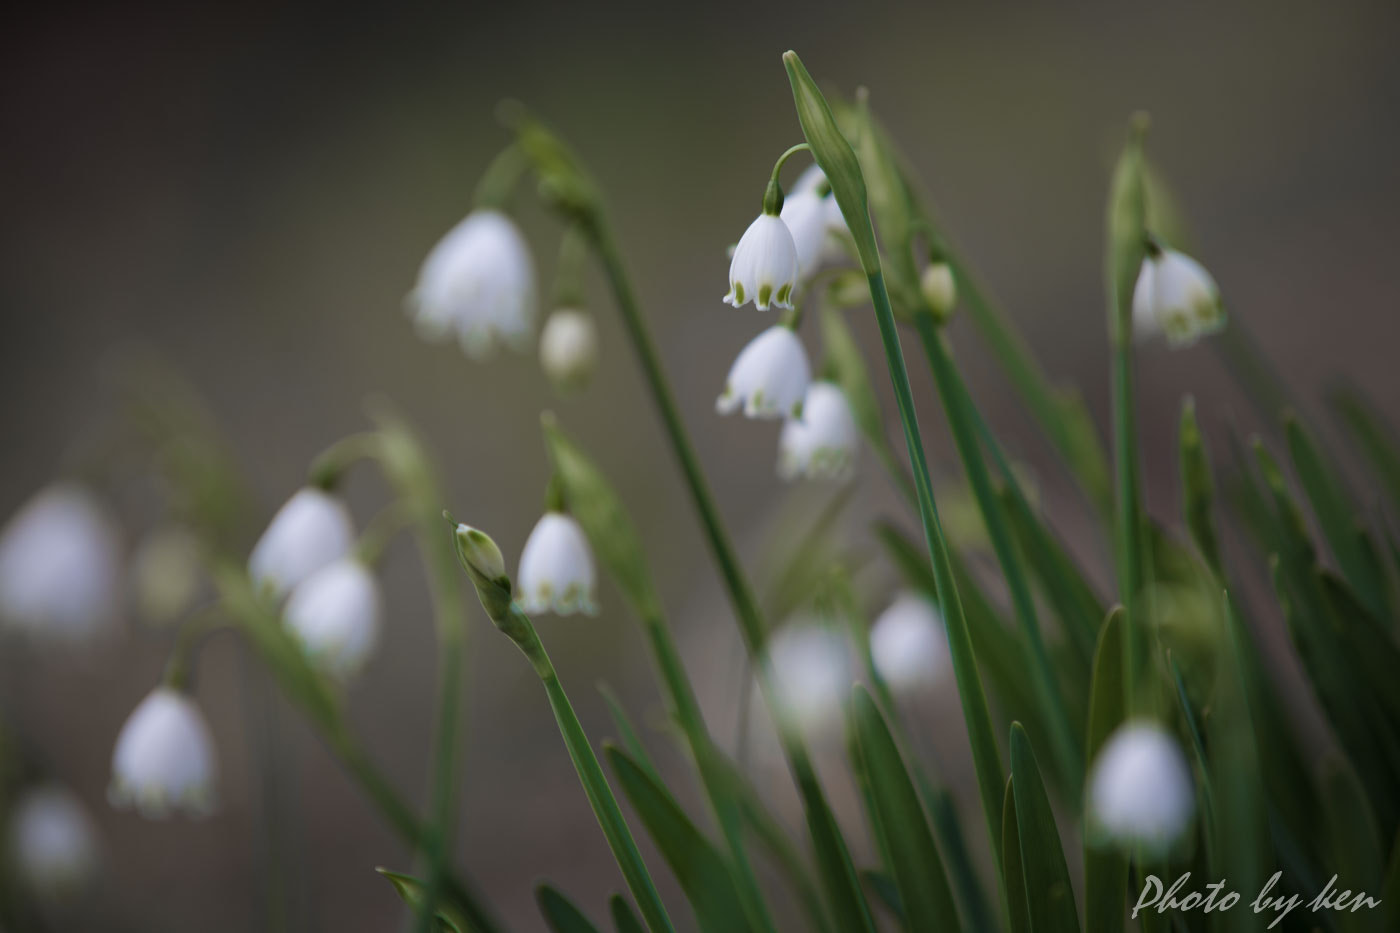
{"x":1105,"y":871}
{"x":697,"y":865}
{"x":1374,"y":437}
{"x":1198,"y":490}
{"x":901,"y":824}
{"x":886,"y":891}
{"x":449,"y":918}
{"x":626,"y":733}
{"x":560,"y":913}
{"x":1337,"y":517}
{"x":1016,"y":906}
{"x":1049,"y":894}
{"x":1355,"y":849}
{"x":624,"y":921}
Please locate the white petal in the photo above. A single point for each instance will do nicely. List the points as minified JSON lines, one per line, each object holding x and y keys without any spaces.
{"x":769,"y":376}
{"x":164,"y":759}
{"x":479,"y":282}
{"x":812,"y":669}
{"x":335,"y":613}
{"x":556,"y":568}
{"x":569,"y":348}
{"x":764,"y":267}
{"x":805,"y":215}
{"x":1140,"y":788}
{"x":1176,"y":296}
{"x":60,"y":565}
{"x":306,"y":534}
{"x":909,"y":644}
{"x":53,"y":843}
{"x":823,"y":443}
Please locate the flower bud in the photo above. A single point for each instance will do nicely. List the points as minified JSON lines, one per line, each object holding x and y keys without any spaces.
{"x":556,"y":568}
{"x":479,"y":283}
{"x":53,"y":843}
{"x":164,"y":759}
{"x":824,"y":441}
{"x":60,"y":566}
{"x":939,"y":290}
{"x":1140,"y":789}
{"x":166,"y":575}
{"x":569,"y":349}
{"x":335,"y":614}
{"x":486,"y":565}
{"x":306,"y":534}
{"x":764,"y":267}
{"x":908,"y":643}
{"x":769,"y":376}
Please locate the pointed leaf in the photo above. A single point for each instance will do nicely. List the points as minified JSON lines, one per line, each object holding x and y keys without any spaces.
{"x":1016,"y":906}
{"x":624,"y":921}
{"x":560,"y":913}
{"x":412,"y":890}
{"x":886,"y":891}
{"x":1198,"y":490}
{"x":1374,"y":437}
{"x":1049,"y":894}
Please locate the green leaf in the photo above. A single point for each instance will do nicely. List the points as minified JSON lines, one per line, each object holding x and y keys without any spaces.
{"x":1356,"y":854}
{"x":412,"y":890}
{"x":702,"y":872}
{"x":886,"y":892}
{"x":1105,"y":871}
{"x":1374,"y":437}
{"x":1127,"y":220}
{"x":624,"y":921}
{"x":1198,"y":490}
{"x":836,"y":158}
{"x":1016,"y":905}
{"x":1338,"y":518}
{"x":900,"y":822}
{"x":560,"y":913}
{"x":1390,"y":889}
{"x":626,"y":733}
{"x":1049,"y":894}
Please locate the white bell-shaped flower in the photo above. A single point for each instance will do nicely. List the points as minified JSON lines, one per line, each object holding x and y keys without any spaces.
{"x":311,"y":530}
{"x":824,"y":441}
{"x":769,"y":376}
{"x":556,"y":568}
{"x":908,"y":643}
{"x":479,"y":283}
{"x":60,"y":566}
{"x":1175,"y":296}
{"x":167,"y":575}
{"x":164,"y":759}
{"x":764,"y":267}
{"x":1140,"y":789}
{"x":53,"y":843}
{"x":569,"y":348}
{"x":813,"y":673}
{"x":805,"y":214}
{"x":335,"y":614}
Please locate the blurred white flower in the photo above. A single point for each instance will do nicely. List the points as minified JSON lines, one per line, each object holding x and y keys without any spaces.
{"x":60,"y":565}
{"x":823,"y":442}
{"x":335,"y":614}
{"x":811,"y":179}
{"x":164,"y":759}
{"x":53,"y":843}
{"x":909,"y":644}
{"x":939,"y":289}
{"x":1177,"y":297}
{"x":813,"y":673}
{"x":306,"y":534}
{"x":805,"y":214}
{"x":769,"y":376}
{"x":764,"y":267}
{"x":479,"y":283}
{"x":1140,"y":789}
{"x":556,"y":568}
{"x":166,"y":575}
{"x":569,"y":348}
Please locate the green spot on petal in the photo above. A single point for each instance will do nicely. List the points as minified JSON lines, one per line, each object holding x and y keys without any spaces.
{"x":765,"y":294}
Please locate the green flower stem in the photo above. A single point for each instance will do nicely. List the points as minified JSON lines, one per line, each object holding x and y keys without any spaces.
{"x":521,"y":630}
{"x":959,"y":408}
{"x":843,"y":882}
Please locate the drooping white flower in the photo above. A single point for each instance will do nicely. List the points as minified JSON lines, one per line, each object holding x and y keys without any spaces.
{"x":166,"y":575}
{"x":164,"y":759}
{"x":908,"y":643}
{"x":1177,"y":297}
{"x":1140,"y":788}
{"x":335,"y":614}
{"x":769,"y":376}
{"x":479,"y":283}
{"x":823,"y":442}
{"x":53,"y":843}
{"x":556,"y":568}
{"x":306,"y":534}
{"x":764,"y":267}
{"x":813,"y":674}
{"x":60,"y":565}
{"x":805,"y":214}
{"x":569,"y":348}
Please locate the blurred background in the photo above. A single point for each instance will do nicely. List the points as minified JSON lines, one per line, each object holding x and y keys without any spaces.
{"x":248,"y":190}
